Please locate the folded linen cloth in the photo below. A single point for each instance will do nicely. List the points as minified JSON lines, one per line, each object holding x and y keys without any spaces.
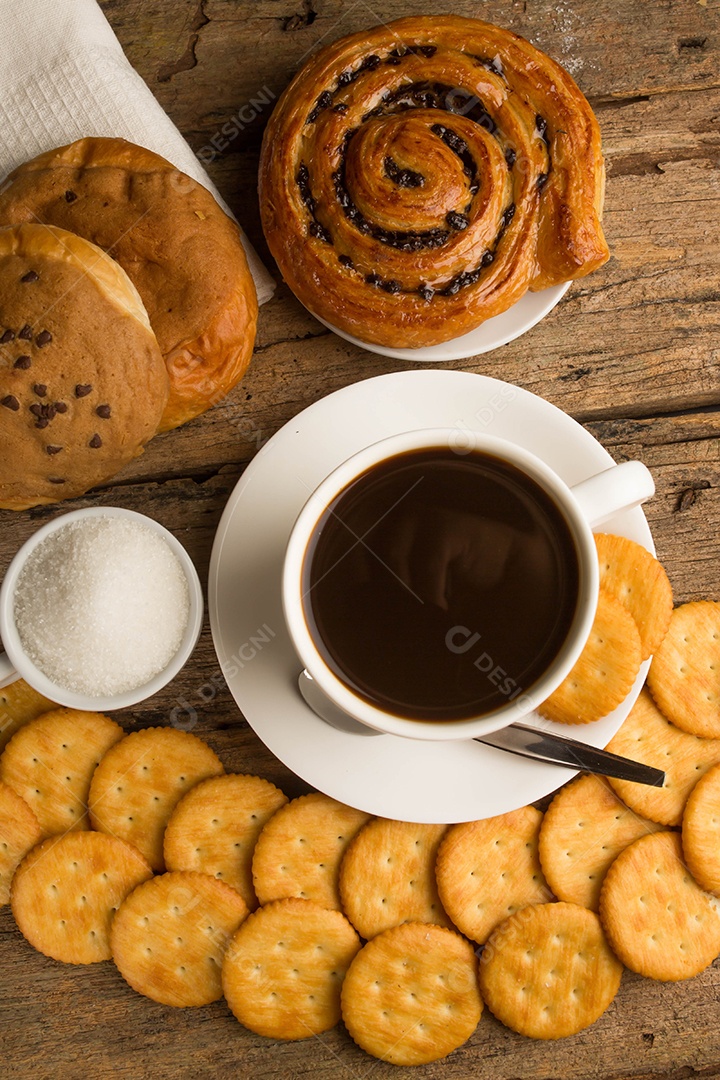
{"x":64,"y":76}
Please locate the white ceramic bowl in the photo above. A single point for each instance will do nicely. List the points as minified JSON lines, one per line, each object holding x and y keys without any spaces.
{"x":16,"y":664}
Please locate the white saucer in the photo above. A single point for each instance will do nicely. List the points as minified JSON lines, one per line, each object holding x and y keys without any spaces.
{"x":386,"y":775}
{"x":510,"y":324}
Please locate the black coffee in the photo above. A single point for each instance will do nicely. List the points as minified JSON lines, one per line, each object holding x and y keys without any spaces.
{"x":437,"y":586}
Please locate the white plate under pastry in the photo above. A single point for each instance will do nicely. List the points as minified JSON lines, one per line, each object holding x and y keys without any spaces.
{"x":524,"y":314}
{"x":386,"y":775}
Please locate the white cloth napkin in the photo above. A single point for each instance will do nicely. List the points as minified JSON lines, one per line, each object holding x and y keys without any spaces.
{"x":63,"y":75}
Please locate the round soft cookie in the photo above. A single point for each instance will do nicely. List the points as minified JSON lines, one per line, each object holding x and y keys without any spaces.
{"x":182,"y":252}
{"x":83,"y":385}
{"x":66,"y":891}
{"x":50,"y":763}
{"x":284,"y":968}
{"x":658,"y":920}
{"x":214,"y":829}
{"x":701,"y":831}
{"x":169,"y":936}
{"x":684,"y":677}
{"x":19,"y":832}
{"x":548,"y":972}
{"x":140,"y":781}
{"x":411,"y":994}
{"x":487,"y":869}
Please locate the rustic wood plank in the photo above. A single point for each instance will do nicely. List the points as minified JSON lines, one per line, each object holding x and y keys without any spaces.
{"x":612,"y":49}
{"x":651,"y":1030}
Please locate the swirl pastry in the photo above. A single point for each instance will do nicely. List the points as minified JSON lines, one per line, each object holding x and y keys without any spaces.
{"x":419,"y":178}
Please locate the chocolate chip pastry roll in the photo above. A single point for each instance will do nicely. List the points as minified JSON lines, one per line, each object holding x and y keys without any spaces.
{"x":419,"y":178}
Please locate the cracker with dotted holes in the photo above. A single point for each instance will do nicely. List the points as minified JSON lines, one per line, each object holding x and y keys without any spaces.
{"x":635,"y":577}
{"x":67,"y":889}
{"x":658,"y":920}
{"x":684,"y":677}
{"x":584,"y":829}
{"x":411,"y":995}
{"x":19,"y":704}
{"x":214,"y":829}
{"x":487,"y":869}
{"x":50,"y":763}
{"x":548,"y":971}
{"x":604,"y":674}
{"x":647,"y":736}
{"x":387,"y":876}
{"x":139,"y":782}
{"x":19,"y":831}
{"x":284,"y":968}
{"x":300,"y":849}
{"x":701,"y":831}
{"x":169,"y":937}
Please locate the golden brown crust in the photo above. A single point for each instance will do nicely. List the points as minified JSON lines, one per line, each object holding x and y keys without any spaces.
{"x":411,"y":994}
{"x":659,"y":922}
{"x":181,"y":251}
{"x":82,"y":380}
{"x":396,"y":154}
{"x":50,"y":763}
{"x":684,"y":677}
{"x":488,"y":869}
{"x":548,"y":971}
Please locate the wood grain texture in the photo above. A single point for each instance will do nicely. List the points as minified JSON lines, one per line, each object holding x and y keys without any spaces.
{"x":632,"y":352}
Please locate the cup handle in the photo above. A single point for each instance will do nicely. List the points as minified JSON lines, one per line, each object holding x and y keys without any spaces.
{"x":621,"y":487}
{"x":8,"y":674}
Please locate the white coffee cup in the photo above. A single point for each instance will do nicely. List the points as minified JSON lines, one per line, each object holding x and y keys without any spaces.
{"x":16,"y":664}
{"x":620,"y":487}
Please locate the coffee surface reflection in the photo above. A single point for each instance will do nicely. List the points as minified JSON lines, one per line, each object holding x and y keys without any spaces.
{"x":440,"y":586}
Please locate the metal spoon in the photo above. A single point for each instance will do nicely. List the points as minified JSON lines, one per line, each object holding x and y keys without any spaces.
{"x":518,"y":739}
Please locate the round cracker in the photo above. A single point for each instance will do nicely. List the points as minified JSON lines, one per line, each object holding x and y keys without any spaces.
{"x":67,"y":889}
{"x":411,"y":995}
{"x":19,"y":704}
{"x":140,"y":781}
{"x":50,"y":763}
{"x":284,"y":968}
{"x":19,"y":831}
{"x":548,"y":971}
{"x":388,"y":876}
{"x":604,"y":674}
{"x":701,"y":831}
{"x":214,"y":829}
{"x":647,"y":736}
{"x":488,"y":869}
{"x":684,"y":677}
{"x":300,"y":849}
{"x":584,"y":829}
{"x":635,"y":577}
{"x":657,"y":918}
{"x":169,"y":937}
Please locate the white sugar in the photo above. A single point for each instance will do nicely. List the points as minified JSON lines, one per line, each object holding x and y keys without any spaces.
{"x":101,"y":605}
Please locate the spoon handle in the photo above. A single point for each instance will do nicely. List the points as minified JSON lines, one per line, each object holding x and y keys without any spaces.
{"x":539,"y":745}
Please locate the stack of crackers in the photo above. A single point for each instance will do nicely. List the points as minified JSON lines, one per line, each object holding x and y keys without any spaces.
{"x":200,"y":884}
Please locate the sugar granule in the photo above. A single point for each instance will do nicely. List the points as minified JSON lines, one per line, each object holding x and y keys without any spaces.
{"x":101,"y":605}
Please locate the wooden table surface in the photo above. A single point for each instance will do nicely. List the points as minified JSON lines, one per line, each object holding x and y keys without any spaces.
{"x":632,"y":352}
